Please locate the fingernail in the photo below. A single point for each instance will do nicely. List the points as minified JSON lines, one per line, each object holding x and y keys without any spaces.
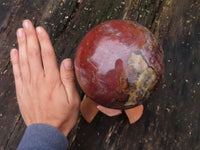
{"x":13,"y":53}
{"x":26,"y":23}
{"x":39,"y":29}
{"x":68,"y":64}
{"x":19,"y":33}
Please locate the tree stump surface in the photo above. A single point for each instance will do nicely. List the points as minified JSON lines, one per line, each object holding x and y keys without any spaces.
{"x":171,"y":119}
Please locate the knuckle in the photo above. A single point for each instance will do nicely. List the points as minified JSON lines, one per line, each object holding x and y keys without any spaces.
{"x":75,"y":103}
{"x":25,"y":75}
{"x":69,"y":77}
{"x":34,"y":52}
{"x":17,"y":76}
{"x":52,"y":80}
{"x":23,"y":63}
{"x":35,"y":83}
{"x":47,"y":53}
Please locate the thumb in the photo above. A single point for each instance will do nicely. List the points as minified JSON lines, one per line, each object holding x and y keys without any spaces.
{"x":68,"y":78}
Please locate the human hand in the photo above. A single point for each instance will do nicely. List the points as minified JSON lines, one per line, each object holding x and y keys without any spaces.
{"x":45,"y":94}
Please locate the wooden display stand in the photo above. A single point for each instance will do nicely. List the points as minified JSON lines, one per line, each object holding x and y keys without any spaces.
{"x":89,"y":110}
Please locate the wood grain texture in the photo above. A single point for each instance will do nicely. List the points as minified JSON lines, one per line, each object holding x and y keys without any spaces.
{"x":171,"y":118}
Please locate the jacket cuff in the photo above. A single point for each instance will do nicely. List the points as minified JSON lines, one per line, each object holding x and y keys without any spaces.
{"x":44,"y":137}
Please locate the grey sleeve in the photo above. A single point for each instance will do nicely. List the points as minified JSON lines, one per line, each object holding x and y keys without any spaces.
{"x":43,"y":137}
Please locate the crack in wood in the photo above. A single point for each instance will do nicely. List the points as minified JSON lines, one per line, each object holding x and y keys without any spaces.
{"x":12,"y":131}
{"x":127,"y":8}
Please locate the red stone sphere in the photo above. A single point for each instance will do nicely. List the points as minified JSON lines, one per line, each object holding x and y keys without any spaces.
{"x":118,"y":63}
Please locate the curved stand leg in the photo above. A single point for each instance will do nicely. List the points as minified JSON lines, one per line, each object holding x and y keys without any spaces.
{"x":108,"y":111}
{"x":88,"y":109}
{"x":134,"y":114}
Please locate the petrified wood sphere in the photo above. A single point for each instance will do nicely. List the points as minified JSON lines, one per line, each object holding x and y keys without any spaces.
{"x":118,"y":63}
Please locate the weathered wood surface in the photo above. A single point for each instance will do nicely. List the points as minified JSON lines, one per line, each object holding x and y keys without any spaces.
{"x":171,"y":118}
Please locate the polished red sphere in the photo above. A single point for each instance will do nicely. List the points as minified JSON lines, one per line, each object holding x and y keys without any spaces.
{"x":118,"y":63}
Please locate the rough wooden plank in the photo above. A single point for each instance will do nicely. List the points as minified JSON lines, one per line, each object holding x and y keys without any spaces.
{"x":171,"y":117}
{"x":89,"y":14}
{"x":40,"y":12}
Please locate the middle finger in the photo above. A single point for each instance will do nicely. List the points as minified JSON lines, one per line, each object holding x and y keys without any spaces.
{"x":33,"y":50}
